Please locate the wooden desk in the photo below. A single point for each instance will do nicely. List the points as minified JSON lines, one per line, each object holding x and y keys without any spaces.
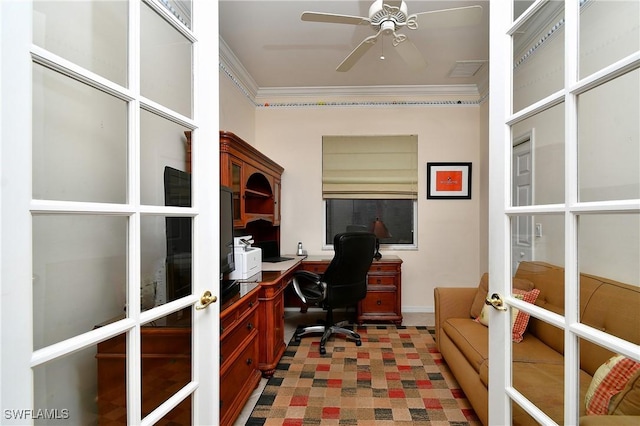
{"x":274,"y":278}
{"x":166,"y":362}
{"x":239,"y":348}
{"x":384,"y":284}
{"x":382,"y":303}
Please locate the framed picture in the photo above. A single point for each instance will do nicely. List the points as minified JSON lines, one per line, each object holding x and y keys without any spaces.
{"x":449,"y":181}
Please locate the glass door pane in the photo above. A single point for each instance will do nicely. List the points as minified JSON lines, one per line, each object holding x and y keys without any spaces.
{"x":602,"y":44}
{"x":83,"y":31}
{"x":166,"y":60}
{"x":609,"y":140}
{"x":538,"y":56}
{"x":544,"y":132}
{"x":80,"y":274}
{"x":79,"y":141}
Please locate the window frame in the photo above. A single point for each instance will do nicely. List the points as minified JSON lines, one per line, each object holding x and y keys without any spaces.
{"x":393,"y":247}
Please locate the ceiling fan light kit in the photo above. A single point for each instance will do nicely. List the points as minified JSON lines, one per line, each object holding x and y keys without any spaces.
{"x":387,"y":18}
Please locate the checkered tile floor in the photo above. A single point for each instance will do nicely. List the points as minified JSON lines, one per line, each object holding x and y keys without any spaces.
{"x":396,"y":377}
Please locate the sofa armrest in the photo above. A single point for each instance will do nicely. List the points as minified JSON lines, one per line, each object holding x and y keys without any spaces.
{"x":452,"y":302}
{"x":609,"y":420}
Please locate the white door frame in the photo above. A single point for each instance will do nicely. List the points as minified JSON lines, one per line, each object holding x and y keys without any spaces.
{"x":16,"y":207}
{"x":15,"y":199}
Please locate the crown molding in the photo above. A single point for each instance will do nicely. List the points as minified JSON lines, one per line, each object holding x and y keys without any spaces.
{"x":231,"y":66}
{"x":464,"y":90}
{"x":236,"y":71}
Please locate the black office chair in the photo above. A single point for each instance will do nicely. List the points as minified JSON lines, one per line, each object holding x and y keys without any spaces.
{"x":344,"y":283}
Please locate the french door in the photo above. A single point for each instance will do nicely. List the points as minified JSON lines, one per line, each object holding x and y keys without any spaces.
{"x":568,"y":72}
{"x":107,"y":222}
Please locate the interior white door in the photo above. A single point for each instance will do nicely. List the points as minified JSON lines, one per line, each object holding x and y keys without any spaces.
{"x":98,"y":318}
{"x":555,"y":67}
{"x":522,"y":194}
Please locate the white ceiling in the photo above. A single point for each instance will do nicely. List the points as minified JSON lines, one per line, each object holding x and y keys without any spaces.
{"x":279,"y":50}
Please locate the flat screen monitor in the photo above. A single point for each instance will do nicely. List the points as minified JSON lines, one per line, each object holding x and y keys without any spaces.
{"x":227,"y":258}
{"x":177,"y":187}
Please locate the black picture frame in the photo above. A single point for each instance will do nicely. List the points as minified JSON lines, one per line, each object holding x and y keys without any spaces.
{"x":449,"y":181}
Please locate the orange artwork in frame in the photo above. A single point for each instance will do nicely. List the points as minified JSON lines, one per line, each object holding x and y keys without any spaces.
{"x":449,"y":181}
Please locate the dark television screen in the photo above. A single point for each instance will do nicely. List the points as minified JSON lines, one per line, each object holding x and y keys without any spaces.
{"x":227,"y":259}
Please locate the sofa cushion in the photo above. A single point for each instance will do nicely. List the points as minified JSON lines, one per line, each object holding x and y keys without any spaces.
{"x":483,"y":289}
{"x":543,"y":385}
{"x":534,"y":350}
{"x":627,"y":402}
{"x":470,"y":337}
{"x":608,"y":306}
{"x":530,"y":350}
{"x":610,"y":379}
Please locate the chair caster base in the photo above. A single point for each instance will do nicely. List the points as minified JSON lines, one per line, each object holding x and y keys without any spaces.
{"x":326,"y":334}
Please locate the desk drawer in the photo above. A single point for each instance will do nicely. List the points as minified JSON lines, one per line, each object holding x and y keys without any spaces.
{"x":383,"y":267}
{"x":317,"y":268}
{"x":379,"y":302}
{"x":236,"y":337}
{"x":231,"y":315}
{"x":236,"y":378}
{"x":381,"y":279}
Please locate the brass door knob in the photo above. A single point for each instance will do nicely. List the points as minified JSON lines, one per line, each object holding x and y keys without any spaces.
{"x":206,"y":299}
{"x":496,"y":301}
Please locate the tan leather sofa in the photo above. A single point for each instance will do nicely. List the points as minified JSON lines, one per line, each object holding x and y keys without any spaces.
{"x":538,"y":366}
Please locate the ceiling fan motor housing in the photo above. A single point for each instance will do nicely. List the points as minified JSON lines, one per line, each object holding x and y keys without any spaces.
{"x":380,"y":12}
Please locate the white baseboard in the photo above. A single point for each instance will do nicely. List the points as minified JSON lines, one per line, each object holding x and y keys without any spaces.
{"x":418,"y":309}
{"x":407,"y":309}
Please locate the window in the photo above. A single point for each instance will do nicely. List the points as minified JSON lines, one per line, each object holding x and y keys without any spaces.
{"x":368,"y":178}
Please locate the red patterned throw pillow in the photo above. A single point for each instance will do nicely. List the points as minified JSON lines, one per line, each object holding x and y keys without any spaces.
{"x":521,"y":320}
{"x":609,"y":380}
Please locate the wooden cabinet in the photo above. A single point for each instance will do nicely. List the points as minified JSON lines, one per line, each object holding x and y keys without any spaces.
{"x":384,"y":284}
{"x":254,"y":178}
{"x":166,"y":367}
{"x":166,"y":363}
{"x":383,"y":301}
{"x":239,"y":354}
{"x":272,"y":345}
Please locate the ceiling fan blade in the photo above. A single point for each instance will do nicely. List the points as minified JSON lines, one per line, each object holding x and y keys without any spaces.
{"x":332,"y":18}
{"x":457,"y":17}
{"x":357,"y":53}
{"x":411,"y":55}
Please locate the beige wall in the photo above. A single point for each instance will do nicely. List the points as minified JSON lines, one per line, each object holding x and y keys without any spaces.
{"x":452,"y":234}
{"x":237,"y":112}
{"x":448,"y":230}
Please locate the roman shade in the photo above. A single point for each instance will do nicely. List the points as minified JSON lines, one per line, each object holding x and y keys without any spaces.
{"x":370,"y":167}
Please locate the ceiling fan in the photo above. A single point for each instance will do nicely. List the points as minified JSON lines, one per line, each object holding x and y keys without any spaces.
{"x":388,"y":16}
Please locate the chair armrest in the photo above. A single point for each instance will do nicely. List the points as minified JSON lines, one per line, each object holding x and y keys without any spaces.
{"x":452,"y":302}
{"x":309,"y":287}
{"x":307,"y":275}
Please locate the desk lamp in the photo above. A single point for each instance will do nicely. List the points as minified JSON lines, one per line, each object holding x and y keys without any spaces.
{"x":380,"y":230}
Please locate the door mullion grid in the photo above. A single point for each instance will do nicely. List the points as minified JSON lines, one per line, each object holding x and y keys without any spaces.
{"x":572,"y":270}
{"x":133,"y":351}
